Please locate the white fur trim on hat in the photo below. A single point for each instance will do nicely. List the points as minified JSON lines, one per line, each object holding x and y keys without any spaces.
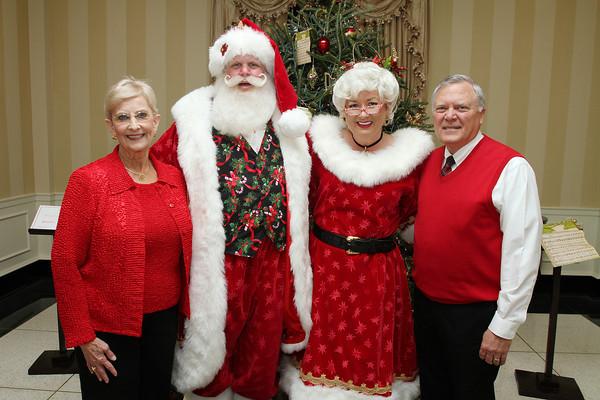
{"x":239,"y":41}
{"x":292,"y":123}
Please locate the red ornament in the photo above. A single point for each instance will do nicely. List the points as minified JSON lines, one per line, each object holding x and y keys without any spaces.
{"x":346,"y":66}
{"x":323,"y":45}
{"x":351,"y":31}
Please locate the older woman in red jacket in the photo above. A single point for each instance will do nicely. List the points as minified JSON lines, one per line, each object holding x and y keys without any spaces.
{"x":121,"y":257}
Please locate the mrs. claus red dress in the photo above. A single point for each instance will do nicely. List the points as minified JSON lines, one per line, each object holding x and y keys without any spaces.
{"x":361,"y":344}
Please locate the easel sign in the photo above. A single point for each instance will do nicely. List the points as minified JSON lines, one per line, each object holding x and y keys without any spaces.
{"x":61,"y":361}
{"x":45,"y":220}
{"x":564,"y":243}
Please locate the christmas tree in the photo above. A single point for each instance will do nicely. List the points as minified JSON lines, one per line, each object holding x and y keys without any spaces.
{"x":332,"y":33}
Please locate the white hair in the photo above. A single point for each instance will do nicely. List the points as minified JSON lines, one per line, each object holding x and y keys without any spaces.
{"x":366,"y":76}
{"x":459,"y":78}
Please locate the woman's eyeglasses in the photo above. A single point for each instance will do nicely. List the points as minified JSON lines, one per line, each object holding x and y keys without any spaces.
{"x":126,"y":118}
{"x":355,"y":109}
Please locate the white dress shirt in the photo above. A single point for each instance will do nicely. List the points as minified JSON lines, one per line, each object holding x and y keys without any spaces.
{"x":515,"y":196}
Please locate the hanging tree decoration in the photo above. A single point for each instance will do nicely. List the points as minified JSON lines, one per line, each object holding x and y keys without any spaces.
{"x":312,"y":77}
{"x":350,"y":31}
{"x":328,"y":81}
{"x":347,"y":65}
{"x":323,"y":45}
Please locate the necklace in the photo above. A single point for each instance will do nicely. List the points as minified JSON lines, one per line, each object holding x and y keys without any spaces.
{"x":141,"y":175}
{"x":366,"y":146}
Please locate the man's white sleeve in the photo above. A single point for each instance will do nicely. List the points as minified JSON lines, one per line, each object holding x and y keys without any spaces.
{"x":515,"y":196}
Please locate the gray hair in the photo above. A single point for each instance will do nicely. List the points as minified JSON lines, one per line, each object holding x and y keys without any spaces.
{"x":128,"y":88}
{"x":458,"y":78}
{"x":366,"y":76}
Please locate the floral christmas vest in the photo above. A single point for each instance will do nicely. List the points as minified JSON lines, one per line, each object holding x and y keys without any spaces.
{"x":252,"y":187}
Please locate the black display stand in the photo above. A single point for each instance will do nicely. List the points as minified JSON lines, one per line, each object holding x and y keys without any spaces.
{"x":52,"y":362}
{"x":546,"y":385}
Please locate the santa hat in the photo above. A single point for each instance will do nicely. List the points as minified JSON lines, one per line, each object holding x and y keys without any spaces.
{"x":249,"y":39}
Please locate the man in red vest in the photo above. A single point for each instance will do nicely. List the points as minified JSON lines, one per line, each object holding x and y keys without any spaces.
{"x":476,"y":251}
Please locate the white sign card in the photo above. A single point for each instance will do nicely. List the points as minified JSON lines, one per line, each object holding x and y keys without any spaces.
{"x":303,"y":47}
{"x":46,"y":218}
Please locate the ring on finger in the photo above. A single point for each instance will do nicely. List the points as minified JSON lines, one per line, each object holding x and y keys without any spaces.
{"x":92,"y":369}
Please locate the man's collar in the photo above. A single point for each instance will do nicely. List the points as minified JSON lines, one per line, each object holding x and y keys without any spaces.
{"x":463,"y":152}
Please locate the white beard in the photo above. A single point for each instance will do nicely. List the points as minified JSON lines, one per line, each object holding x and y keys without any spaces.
{"x":235,"y":112}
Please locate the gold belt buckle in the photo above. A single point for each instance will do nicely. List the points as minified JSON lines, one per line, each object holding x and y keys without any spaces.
{"x":349,"y":240}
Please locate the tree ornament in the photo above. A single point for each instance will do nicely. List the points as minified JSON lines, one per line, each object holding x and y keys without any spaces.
{"x":414,"y":120}
{"x":329,"y":81}
{"x":347,"y":65}
{"x":312,"y":77}
{"x":351,"y":31}
{"x":323,"y":45}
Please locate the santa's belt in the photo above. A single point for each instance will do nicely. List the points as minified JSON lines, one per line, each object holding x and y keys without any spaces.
{"x":354,"y":244}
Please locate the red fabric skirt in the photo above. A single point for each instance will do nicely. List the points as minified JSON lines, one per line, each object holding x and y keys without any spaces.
{"x":362,"y":337}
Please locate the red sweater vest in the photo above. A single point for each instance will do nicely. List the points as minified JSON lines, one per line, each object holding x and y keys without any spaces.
{"x":458,"y":241}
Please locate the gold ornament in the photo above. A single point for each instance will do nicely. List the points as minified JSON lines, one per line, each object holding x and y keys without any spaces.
{"x":312,"y":77}
{"x":414,"y":120}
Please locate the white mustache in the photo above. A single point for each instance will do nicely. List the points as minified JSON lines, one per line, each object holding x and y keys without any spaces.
{"x":258,"y":81}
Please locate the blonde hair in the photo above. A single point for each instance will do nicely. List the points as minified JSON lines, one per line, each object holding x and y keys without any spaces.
{"x":366,"y":76}
{"x":128,"y":88}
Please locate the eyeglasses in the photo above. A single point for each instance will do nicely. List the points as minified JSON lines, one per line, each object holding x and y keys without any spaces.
{"x":371,"y":109}
{"x":125,"y":118}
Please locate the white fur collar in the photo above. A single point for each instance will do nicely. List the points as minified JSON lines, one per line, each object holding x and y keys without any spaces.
{"x":410,"y":148}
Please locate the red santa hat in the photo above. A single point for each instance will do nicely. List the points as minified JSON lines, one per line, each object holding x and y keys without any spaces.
{"x":248,"y":39}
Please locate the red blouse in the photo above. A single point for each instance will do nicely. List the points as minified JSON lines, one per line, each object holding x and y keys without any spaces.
{"x":99,"y":254}
{"x":162,"y":275}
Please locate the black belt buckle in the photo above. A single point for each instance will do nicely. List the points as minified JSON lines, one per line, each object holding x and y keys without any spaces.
{"x":349,"y":240}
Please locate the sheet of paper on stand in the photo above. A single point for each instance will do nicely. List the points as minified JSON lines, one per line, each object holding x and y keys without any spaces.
{"x":46,"y":218}
{"x":564,"y":243}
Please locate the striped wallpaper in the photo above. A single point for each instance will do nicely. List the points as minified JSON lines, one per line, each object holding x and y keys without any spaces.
{"x":537,"y":60}
{"x":58,"y":59}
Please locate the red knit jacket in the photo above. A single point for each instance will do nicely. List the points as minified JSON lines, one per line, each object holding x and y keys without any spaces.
{"x":98,"y":256}
{"x":458,"y":241}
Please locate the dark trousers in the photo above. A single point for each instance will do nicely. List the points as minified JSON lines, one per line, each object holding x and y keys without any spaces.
{"x":448,"y":338}
{"x":143,"y":364}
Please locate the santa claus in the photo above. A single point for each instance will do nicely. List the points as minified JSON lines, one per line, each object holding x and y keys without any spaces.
{"x":241,"y":145}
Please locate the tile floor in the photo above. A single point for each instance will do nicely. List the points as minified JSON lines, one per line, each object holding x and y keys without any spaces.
{"x":577,"y":356}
